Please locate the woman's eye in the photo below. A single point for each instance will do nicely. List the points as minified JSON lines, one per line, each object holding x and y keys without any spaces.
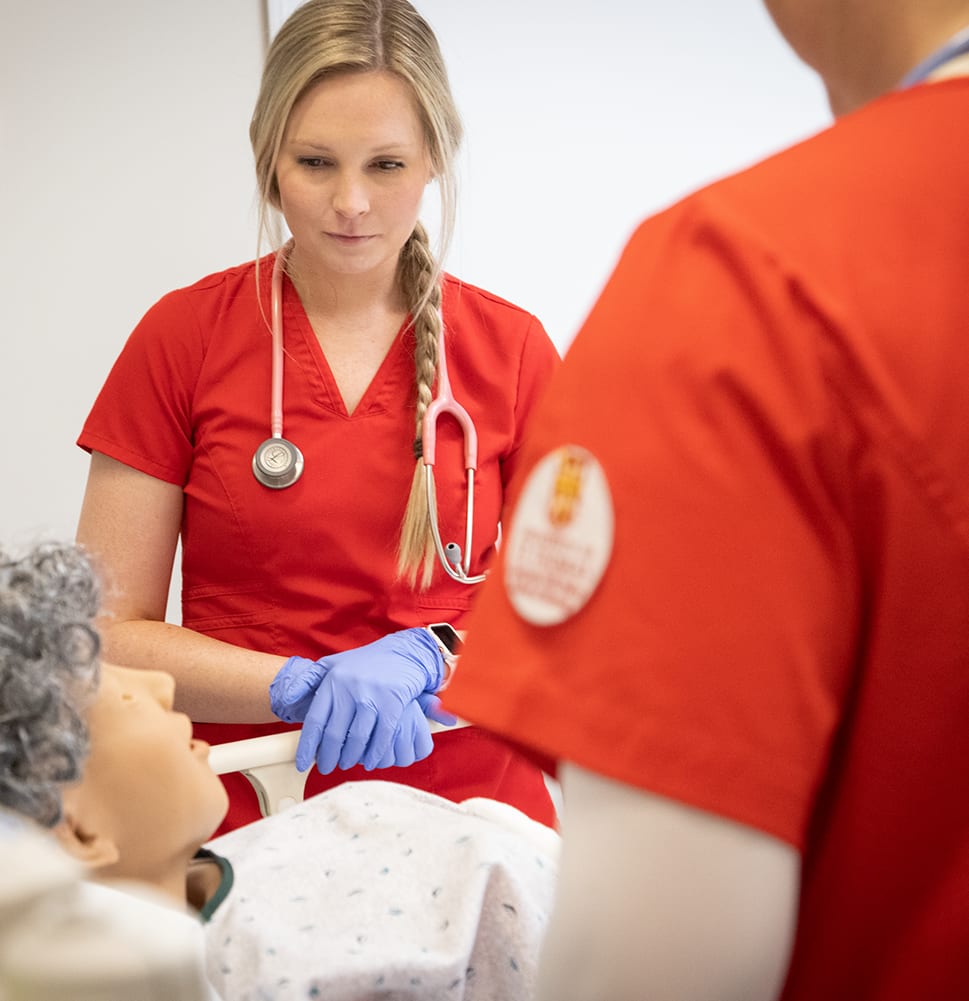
{"x":390,"y":165}
{"x":313,"y":162}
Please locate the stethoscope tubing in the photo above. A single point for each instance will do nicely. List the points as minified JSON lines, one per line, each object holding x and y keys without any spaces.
{"x":276,"y":408}
{"x":277,"y":463}
{"x":287,"y":471}
{"x":444,"y":403}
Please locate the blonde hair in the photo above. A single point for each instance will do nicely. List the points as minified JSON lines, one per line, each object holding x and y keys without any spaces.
{"x":323,"y":37}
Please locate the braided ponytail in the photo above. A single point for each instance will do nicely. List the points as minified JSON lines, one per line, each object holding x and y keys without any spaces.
{"x":419,"y":276}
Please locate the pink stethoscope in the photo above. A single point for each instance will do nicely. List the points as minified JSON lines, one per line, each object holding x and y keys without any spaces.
{"x":278,"y":463}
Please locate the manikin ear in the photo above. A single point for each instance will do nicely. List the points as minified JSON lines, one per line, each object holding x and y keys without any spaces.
{"x":93,"y":850}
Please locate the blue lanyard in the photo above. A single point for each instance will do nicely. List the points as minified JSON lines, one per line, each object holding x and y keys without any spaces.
{"x":956,"y":46}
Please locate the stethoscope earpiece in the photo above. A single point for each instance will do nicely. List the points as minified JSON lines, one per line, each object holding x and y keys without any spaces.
{"x":278,"y":463}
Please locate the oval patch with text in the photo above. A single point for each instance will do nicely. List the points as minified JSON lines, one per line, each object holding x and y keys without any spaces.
{"x":560,"y":539}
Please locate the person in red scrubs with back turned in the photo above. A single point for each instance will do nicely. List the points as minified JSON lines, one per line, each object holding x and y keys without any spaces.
{"x":733,"y":598}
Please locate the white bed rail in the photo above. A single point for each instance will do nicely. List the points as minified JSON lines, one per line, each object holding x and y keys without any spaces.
{"x":269,"y":763}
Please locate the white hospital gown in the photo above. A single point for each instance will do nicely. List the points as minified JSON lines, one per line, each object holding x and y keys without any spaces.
{"x":377,"y":890}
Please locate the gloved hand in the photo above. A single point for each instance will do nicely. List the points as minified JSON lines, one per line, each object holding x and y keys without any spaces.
{"x":360,"y":698}
{"x":292,"y":690}
{"x":412,"y":741}
{"x":431,"y":707}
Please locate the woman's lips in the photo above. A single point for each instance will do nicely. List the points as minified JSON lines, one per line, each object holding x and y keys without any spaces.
{"x":350,"y":239}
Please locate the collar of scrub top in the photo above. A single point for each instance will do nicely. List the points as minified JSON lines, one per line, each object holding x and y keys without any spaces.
{"x":278,"y":463}
{"x":957,"y":45}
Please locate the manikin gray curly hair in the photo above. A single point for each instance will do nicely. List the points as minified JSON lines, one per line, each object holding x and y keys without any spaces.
{"x":48,"y":673}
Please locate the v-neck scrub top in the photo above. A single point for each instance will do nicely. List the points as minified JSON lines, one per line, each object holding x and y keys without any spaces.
{"x":310,"y":570}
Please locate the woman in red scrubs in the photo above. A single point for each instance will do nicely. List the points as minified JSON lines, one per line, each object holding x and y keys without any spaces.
{"x":353,"y":120}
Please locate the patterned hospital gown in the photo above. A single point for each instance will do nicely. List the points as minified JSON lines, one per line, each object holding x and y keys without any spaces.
{"x":378,"y":890}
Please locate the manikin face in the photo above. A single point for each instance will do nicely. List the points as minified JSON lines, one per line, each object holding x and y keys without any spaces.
{"x":351,"y":174}
{"x":147,"y":788}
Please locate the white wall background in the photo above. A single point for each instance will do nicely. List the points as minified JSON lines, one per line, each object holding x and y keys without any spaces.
{"x":125,"y":171}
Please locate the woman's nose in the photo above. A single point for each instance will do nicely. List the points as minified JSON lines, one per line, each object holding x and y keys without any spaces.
{"x":350,"y":197}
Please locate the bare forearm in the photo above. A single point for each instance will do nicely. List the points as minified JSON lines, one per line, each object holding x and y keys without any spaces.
{"x":215,"y":681}
{"x":658,"y":900}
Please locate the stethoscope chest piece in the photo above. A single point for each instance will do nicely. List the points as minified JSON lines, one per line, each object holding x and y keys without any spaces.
{"x":278,"y":463}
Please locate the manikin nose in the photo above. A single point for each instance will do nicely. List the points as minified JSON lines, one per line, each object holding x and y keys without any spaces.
{"x":160,"y":685}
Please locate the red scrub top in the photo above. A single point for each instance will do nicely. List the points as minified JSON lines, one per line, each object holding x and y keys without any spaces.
{"x":310,"y":570}
{"x":775,"y":388}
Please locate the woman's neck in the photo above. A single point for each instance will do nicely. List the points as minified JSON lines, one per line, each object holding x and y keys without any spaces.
{"x":344,"y":297}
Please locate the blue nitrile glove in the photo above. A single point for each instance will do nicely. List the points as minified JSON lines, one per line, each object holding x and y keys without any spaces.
{"x":361,"y":698}
{"x":292,"y":690}
{"x":431,"y":707}
{"x":291,"y":694}
{"x":412,"y":741}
